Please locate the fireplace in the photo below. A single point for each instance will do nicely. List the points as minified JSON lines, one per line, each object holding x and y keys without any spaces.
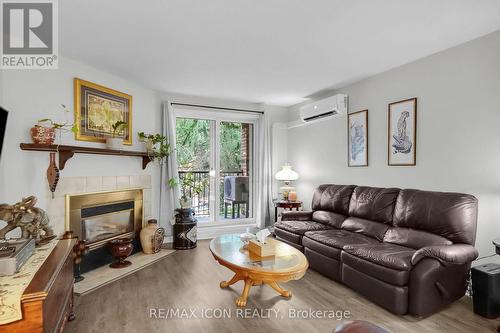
{"x":97,"y":218}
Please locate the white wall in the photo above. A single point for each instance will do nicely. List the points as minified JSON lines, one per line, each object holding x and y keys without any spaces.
{"x":31,"y":95}
{"x":35,"y":94}
{"x":278,"y":118}
{"x":458,"y":144}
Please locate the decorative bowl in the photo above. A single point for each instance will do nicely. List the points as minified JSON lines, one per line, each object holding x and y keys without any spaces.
{"x":120,"y":249}
{"x":246,"y":237}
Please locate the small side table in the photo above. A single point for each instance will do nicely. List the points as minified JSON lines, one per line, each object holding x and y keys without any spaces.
{"x":286,"y":205}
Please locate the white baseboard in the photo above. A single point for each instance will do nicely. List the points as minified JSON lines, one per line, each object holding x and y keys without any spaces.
{"x":209,"y":232}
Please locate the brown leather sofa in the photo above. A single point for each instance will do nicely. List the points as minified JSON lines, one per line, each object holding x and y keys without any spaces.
{"x":408,"y":251}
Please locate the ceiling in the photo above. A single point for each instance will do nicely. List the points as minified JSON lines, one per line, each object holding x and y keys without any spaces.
{"x":273,"y":51}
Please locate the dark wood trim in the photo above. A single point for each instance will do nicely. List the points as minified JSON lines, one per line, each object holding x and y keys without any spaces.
{"x":349,"y":138}
{"x":414,"y":133}
{"x":217,"y":108}
{"x":42,"y":281}
{"x":66,"y":152}
{"x":286,"y":205}
{"x":47,"y":302}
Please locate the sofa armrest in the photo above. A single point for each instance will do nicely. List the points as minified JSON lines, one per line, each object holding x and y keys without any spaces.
{"x":447,"y":254}
{"x":297,"y":216}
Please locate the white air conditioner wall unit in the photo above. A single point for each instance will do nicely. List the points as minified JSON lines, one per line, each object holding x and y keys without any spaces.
{"x":236,"y":188}
{"x":334,"y":106}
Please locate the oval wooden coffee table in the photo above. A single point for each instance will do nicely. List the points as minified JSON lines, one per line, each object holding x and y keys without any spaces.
{"x":287,"y":264}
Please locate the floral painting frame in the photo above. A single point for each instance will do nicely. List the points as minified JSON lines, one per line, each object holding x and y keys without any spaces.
{"x":357,"y":139}
{"x":402,"y":133}
{"x":97,"y":108}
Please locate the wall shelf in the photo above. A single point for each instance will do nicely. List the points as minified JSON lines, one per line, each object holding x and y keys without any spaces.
{"x":67,"y":152}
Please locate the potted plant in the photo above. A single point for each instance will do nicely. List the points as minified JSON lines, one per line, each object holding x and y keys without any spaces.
{"x":189,"y":188}
{"x":44,"y":132}
{"x":116,"y":142}
{"x":147,"y":139}
{"x":157,"y":146}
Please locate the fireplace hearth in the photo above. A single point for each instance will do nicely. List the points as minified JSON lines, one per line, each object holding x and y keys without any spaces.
{"x":97,"y":218}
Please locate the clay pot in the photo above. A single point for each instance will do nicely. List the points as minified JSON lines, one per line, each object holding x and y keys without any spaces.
{"x":43,"y":135}
{"x":148,"y":237}
{"x":120,"y":249}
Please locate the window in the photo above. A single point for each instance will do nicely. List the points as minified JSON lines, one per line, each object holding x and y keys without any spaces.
{"x":215,"y":152}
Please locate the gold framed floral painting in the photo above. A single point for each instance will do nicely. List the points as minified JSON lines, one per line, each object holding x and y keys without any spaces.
{"x":97,"y":109}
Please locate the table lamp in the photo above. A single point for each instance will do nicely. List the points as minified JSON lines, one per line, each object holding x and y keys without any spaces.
{"x":286,"y":174}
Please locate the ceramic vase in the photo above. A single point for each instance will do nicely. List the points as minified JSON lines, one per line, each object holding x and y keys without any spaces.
{"x":120,"y":249}
{"x":147,"y":236}
{"x":53,"y":174}
{"x":114,"y":143}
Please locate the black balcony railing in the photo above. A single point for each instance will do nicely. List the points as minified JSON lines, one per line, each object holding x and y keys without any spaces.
{"x":201,"y":180}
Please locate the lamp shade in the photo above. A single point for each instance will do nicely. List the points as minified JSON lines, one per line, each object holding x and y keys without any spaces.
{"x":286,"y":173}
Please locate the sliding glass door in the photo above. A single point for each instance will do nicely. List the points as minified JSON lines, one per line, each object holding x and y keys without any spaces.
{"x":215,"y":152}
{"x":235,"y":170}
{"x":194,"y":148}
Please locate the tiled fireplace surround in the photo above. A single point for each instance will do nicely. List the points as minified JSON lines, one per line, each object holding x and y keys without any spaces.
{"x":79,"y":185}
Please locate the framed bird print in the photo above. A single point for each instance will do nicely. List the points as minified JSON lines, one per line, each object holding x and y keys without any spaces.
{"x":357,"y":138}
{"x":402,"y":133}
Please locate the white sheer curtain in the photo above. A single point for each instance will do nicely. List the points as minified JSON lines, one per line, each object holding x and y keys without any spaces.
{"x":169,"y":196}
{"x":264,"y":193}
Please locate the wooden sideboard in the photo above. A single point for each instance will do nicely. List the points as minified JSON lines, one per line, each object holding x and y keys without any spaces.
{"x":47,"y":302}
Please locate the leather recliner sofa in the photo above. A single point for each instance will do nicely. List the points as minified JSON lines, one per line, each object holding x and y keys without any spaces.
{"x":408,"y":251}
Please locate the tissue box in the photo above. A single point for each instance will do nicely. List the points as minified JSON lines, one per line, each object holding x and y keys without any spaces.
{"x":262,"y":250}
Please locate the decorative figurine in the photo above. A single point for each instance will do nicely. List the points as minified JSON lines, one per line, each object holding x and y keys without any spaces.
{"x":53,"y":174}
{"x":158,"y":239}
{"x":33,"y":221}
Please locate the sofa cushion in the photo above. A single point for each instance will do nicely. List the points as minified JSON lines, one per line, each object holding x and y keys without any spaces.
{"x":324,"y":264}
{"x":333,"y":219}
{"x":372,"y":203}
{"x":391,"y":297}
{"x":383,"y":273}
{"x":385,"y":254}
{"x":333,"y":198}
{"x":292,"y":244}
{"x":366,"y":227}
{"x":291,"y":215}
{"x":288,"y":236}
{"x":326,"y":250}
{"x":338,"y":238}
{"x":300,"y":227}
{"x":450,"y":215}
{"x":415,"y":239}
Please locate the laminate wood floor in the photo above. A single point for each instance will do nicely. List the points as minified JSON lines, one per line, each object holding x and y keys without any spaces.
{"x":189,"y":281}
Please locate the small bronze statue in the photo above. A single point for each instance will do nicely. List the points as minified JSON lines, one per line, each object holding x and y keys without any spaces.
{"x":33,"y":221}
